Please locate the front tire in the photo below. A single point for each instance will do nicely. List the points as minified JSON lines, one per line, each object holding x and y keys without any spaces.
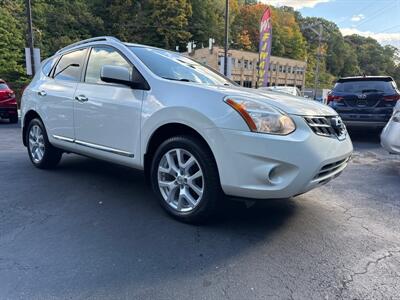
{"x":185,"y":178}
{"x":42,"y":154}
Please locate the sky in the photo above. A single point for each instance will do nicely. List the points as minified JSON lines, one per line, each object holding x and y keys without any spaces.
{"x":379,"y":19}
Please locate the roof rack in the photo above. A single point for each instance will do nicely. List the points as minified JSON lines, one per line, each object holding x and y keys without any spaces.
{"x":95,"y":39}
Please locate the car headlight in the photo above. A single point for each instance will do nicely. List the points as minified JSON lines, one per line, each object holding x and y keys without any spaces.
{"x":261,"y":117}
{"x":396,"y":117}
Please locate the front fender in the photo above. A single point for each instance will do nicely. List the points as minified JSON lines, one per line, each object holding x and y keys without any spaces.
{"x":178,"y":115}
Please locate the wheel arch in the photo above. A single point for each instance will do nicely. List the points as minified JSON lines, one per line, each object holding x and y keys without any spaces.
{"x":164,"y":132}
{"x":29,"y":116}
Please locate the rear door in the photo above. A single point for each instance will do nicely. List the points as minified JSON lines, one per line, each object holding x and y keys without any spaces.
{"x":56,"y":94}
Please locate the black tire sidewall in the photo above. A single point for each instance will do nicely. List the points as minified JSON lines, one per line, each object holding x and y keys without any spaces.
{"x":51,"y":155}
{"x":211,"y":187}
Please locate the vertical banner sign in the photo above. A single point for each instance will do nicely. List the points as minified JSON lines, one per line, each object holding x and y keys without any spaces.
{"x":265,"y":47}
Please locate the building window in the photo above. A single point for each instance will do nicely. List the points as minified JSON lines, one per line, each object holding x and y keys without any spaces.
{"x":274,"y":67}
{"x":246,"y":64}
{"x":289,"y":69}
{"x":247,"y":83}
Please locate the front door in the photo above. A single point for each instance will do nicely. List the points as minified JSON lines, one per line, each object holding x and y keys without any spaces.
{"x":107,"y":116}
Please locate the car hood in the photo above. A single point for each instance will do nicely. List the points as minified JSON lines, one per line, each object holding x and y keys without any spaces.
{"x":287,"y":103}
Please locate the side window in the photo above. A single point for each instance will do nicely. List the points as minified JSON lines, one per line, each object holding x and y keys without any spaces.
{"x":70,"y":65}
{"x":48,"y":66}
{"x":100,"y":56}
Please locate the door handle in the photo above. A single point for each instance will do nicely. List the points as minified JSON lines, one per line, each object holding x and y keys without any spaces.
{"x":81,"y":98}
{"x":42,"y":93}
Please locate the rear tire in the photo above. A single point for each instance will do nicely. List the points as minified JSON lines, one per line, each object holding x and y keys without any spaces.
{"x":41,"y":153}
{"x":187,"y":187}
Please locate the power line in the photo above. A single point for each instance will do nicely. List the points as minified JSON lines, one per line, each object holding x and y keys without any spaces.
{"x":376,"y":14}
{"x":357,"y":13}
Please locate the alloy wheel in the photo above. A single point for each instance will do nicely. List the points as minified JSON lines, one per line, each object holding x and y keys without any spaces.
{"x":180,"y":180}
{"x":36,"y":143}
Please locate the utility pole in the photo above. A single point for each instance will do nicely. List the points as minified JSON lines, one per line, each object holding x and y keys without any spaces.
{"x":30,"y":33}
{"x":319,"y":33}
{"x":226,"y":37}
{"x":319,"y":54}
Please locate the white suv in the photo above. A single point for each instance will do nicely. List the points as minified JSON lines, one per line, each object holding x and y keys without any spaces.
{"x":196,"y":134}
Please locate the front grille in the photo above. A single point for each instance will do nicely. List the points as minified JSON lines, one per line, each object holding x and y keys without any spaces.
{"x":331,"y":171}
{"x":331,"y":126}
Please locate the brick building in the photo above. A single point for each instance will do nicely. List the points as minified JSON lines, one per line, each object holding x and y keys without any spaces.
{"x":243,"y":67}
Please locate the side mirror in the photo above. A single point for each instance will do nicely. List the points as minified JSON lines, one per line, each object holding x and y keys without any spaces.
{"x":115,"y":74}
{"x":123,"y":75}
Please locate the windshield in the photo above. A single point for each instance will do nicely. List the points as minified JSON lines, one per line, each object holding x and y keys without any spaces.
{"x":173,"y":66}
{"x":364,"y":86}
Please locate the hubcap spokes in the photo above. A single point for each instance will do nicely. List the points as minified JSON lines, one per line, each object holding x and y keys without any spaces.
{"x":36,"y":143}
{"x":180,"y":179}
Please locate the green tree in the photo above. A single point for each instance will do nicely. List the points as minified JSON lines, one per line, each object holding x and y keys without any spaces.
{"x":206,"y":21}
{"x":11,"y":44}
{"x":287,"y":39}
{"x":62,"y":22}
{"x":167,"y":22}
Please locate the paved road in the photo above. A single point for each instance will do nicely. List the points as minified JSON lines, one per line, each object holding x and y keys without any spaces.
{"x":93,"y":230}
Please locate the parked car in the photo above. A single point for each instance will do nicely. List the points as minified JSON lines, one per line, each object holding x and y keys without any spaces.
{"x":390,"y":137}
{"x":196,"y":134}
{"x":364,"y":101}
{"x":8,"y":103}
{"x":291,"y":90}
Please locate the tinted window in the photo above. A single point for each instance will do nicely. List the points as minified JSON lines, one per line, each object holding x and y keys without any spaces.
{"x":70,"y":65}
{"x":100,"y":56}
{"x":48,"y":65}
{"x":3,"y":86}
{"x":364,"y":86}
{"x":172,"y":66}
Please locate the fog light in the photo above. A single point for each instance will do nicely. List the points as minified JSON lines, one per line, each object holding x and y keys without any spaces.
{"x":273,"y":175}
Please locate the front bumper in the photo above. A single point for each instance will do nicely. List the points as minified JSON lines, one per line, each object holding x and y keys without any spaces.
{"x":390,"y":137}
{"x":263,"y":166}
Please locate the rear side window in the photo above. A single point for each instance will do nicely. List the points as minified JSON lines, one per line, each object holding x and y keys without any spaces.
{"x":100,"y":56}
{"x":70,"y":65}
{"x":3,"y":86}
{"x":364,"y":86}
{"x":48,"y":66}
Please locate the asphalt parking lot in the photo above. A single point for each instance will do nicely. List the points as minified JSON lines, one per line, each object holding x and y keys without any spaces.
{"x":94,"y":230}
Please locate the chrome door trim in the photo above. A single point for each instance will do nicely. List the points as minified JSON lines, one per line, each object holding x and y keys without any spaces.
{"x":63,"y":138}
{"x":104,"y":148}
{"x":94,"y":146}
